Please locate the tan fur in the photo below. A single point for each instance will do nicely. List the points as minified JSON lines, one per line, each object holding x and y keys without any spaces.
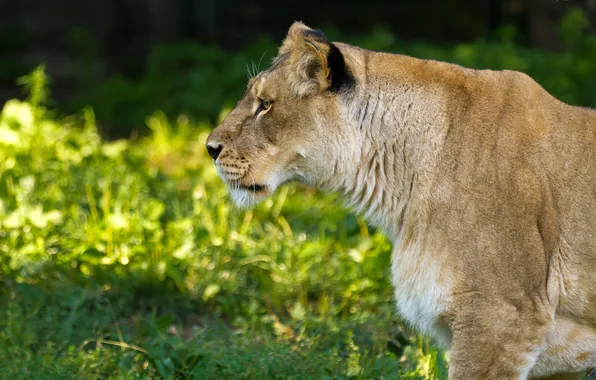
{"x":485,"y":183}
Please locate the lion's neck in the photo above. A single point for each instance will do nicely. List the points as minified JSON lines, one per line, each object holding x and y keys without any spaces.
{"x":388,"y":171}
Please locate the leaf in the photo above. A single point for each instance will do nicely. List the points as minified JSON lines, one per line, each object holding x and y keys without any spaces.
{"x":355,"y":255}
{"x":176,"y":275}
{"x":8,"y":136}
{"x":118,"y":221}
{"x":184,"y":250}
{"x":91,"y":255}
{"x":164,"y":322}
{"x":54,"y":217}
{"x":14,"y":220}
{"x":298,"y":312}
{"x":210,"y":291}
{"x":114,"y":149}
{"x":154,"y":209}
{"x":27,"y":184}
{"x":18,"y":112}
{"x":36,"y":217}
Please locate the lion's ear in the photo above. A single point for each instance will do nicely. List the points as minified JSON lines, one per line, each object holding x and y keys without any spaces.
{"x":308,"y":51}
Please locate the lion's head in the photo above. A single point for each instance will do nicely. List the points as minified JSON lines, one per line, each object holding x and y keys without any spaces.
{"x":287,"y":126}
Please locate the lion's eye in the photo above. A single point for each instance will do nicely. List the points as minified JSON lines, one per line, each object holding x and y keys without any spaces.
{"x":263,"y":105}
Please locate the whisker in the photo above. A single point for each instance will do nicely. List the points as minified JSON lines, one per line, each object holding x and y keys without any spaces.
{"x":259,"y":64}
{"x":247,"y":69}
{"x":252,"y":69}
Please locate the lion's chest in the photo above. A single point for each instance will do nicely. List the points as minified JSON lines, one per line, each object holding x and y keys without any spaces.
{"x":422,"y":283}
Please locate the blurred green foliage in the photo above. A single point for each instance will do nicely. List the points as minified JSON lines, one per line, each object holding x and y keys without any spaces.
{"x":198,"y":80}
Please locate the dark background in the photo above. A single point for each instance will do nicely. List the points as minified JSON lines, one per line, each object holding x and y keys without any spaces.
{"x":82,"y":43}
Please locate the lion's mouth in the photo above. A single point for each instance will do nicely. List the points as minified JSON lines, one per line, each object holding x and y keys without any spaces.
{"x":255,"y":188}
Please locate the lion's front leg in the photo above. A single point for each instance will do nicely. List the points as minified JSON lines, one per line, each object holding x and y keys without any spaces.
{"x":496,"y":339}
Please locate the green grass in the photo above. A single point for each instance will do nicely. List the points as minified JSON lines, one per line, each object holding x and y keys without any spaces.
{"x":126,"y":259}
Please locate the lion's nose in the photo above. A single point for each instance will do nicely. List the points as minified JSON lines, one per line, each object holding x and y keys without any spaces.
{"x":214,"y":149}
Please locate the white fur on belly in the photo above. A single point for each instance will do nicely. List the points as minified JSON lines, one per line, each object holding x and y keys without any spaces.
{"x":422,"y":286}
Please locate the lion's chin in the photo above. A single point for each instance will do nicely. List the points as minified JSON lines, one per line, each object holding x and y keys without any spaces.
{"x":245,"y":198}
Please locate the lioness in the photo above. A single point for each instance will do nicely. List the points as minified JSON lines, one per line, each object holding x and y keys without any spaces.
{"x":485,"y":183}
